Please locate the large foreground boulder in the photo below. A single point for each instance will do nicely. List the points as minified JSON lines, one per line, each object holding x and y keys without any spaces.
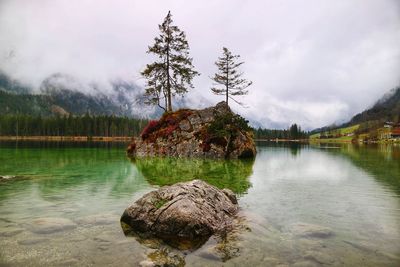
{"x":214,"y":132}
{"x":188,"y":211}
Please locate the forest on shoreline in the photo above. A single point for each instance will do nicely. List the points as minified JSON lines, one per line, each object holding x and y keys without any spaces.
{"x":105,"y":126}
{"x":87,"y":125}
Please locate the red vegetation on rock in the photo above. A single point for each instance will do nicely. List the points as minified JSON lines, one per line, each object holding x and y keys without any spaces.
{"x":214,"y":132}
{"x":167,"y":131}
{"x":149,"y":129}
{"x":164,"y":127}
{"x":206,"y":146}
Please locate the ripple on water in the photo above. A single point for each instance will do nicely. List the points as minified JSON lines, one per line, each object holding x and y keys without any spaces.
{"x":332,"y":207}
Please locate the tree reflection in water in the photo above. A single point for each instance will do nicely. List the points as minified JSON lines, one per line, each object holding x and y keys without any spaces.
{"x":232,"y":174}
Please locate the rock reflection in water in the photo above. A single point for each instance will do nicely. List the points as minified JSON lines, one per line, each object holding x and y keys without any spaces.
{"x":220,"y":247}
{"x":232,"y":174}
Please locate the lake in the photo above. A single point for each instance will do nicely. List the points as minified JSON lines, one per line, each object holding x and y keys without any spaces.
{"x":300,"y":205}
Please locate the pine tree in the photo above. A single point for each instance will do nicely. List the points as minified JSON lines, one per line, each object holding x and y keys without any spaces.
{"x":229,"y":79}
{"x":173,"y":72}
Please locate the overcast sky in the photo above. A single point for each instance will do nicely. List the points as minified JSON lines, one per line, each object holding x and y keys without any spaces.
{"x":311,"y":62}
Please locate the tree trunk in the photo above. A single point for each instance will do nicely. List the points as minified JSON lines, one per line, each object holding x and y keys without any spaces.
{"x":227,"y":80}
{"x":169,"y":108}
{"x":226,"y":95}
{"x":228,"y":144}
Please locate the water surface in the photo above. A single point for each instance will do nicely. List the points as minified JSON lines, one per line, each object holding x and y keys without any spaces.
{"x":347,"y":195}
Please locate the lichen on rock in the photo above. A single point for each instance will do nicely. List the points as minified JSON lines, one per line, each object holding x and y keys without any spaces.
{"x":214,"y":132}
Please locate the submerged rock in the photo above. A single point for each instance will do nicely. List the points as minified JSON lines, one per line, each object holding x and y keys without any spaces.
{"x":98,"y":219}
{"x":214,"y":132}
{"x":320,"y":257}
{"x":8,"y":232}
{"x":163,"y":257}
{"x":311,"y":230}
{"x":50,"y":225}
{"x":190,"y":211}
{"x":33,"y":241}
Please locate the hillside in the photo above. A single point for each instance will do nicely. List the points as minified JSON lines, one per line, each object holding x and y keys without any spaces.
{"x":369,"y":125}
{"x":11,"y":103}
{"x":62,"y":94}
{"x":385,"y":109}
{"x":9,"y":85}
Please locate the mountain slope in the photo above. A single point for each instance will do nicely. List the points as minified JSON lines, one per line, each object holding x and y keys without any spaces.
{"x":11,"y":103}
{"x":385,"y":109}
{"x":367,"y":125}
{"x":62,"y":94}
{"x":10,"y":85}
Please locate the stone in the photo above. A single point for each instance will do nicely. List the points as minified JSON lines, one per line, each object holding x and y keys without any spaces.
{"x":163,"y":257}
{"x":50,"y":225}
{"x":311,"y":230}
{"x":185,"y":211}
{"x":243,"y":149}
{"x":195,"y":121}
{"x":184,"y":125}
{"x":34,"y":241}
{"x":11,"y":232}
{"x":188,"y":133}
{"x":305,"y":263}
{"x":230,"y":195}
{"x":206,"y":115}
{"x":69,"y":262}
{"x":319,"y":257}
{"x":98,"y":219}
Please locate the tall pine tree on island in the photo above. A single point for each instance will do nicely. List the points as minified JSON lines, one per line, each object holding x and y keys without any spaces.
{"x":173,"y":72}
{"x":228,"y":80}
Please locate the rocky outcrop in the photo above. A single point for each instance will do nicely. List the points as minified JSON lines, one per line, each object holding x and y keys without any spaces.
{"x":185,"y":211}
{"x":214,"y":132}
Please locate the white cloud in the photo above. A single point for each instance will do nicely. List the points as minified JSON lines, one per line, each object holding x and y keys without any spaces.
{"x":312,"y":62}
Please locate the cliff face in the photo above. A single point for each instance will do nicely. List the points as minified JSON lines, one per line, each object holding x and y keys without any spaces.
{"x":214,"y":132}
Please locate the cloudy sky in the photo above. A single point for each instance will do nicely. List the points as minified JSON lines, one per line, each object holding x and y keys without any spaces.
{"x":314,"y":62}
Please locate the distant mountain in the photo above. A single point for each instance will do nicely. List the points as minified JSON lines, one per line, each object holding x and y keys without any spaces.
{"x":11,"y":103}
{"x":385,"y":109}
{"x":9,"y":85}
{"x":62,"y":94}
{"x":67,"y":93}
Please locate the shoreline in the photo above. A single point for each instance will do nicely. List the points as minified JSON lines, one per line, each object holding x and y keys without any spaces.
{"x":127,"y":139}
{"x":68,"y":138}
{"x":282,"y":140}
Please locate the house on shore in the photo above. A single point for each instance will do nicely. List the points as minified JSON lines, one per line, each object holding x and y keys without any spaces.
{"x":390,"y":130}
{"x":384,"y":133}
{"x":395,"y":133}
{"x":388,"y":124}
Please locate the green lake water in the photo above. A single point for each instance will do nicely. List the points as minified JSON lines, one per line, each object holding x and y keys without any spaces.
{"x":300,"y":205}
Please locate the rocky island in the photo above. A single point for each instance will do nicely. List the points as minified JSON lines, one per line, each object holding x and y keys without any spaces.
{"x":189,"y":212}
{"x":214,"y":132}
